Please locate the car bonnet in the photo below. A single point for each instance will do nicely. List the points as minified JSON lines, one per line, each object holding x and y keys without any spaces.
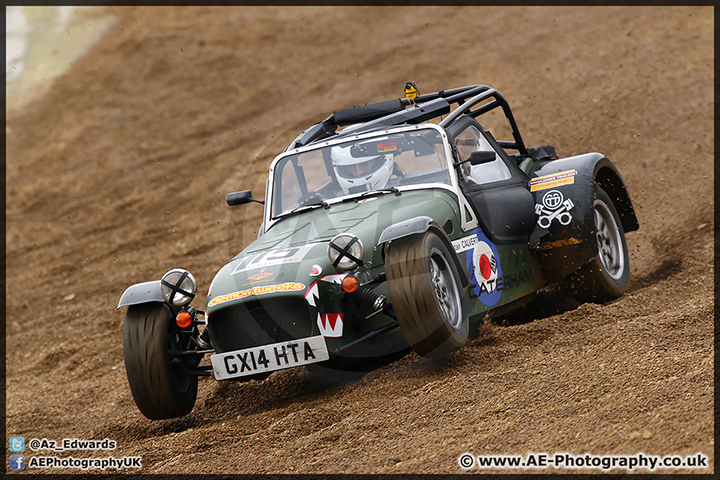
{"x":288,"y":258}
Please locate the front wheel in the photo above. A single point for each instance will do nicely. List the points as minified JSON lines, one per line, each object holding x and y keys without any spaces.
{"x":606,"y":276}
{"x":424,"y":286}
{"x":159,"y":386}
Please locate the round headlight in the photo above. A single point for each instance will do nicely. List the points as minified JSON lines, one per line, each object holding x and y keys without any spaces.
{"x":345,"y":251}
{"x":178,"y":287}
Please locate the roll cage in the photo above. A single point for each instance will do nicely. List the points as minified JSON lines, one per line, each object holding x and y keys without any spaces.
{"x":423,"y":108}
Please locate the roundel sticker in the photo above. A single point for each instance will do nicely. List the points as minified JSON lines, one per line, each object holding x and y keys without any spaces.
{"x":483,"y":264}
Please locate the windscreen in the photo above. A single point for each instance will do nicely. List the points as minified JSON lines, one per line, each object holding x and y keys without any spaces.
{"x":385,"y":161}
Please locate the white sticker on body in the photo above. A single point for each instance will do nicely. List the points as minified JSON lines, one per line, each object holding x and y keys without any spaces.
{"x":277,"y":256}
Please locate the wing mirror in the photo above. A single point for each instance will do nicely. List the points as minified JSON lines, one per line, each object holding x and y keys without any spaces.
{"x":239,"y":198}
{"x":481,"y":156}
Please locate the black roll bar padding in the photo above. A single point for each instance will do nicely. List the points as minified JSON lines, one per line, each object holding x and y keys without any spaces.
{"x":422,"y":113}
{"x":319,"y":130}
{"x":366,"y":113}
{"x":373,"y":111}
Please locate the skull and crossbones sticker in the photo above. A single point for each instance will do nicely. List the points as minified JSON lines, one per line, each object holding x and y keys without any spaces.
{"x":554,"y":206}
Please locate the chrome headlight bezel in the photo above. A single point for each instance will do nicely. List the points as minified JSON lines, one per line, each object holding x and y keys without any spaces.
{"x":346,"y":251}
{"x":178,"y":287}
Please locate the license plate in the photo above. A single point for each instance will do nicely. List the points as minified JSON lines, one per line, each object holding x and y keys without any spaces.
{"x":268,"y":358}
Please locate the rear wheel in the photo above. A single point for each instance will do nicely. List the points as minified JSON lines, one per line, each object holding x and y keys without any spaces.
{"x":159,"y":386}
{"x":425,"y":291}
{"x":606,"y":276}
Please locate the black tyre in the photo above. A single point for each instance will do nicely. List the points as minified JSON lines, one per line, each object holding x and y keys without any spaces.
{"x":426,"y":294}
{"x":159,"y":387}
{"x":606,"y":276}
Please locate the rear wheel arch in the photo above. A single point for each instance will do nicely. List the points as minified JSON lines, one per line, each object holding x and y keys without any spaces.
{"x":592,"y":173}
{"x":610,"y":181}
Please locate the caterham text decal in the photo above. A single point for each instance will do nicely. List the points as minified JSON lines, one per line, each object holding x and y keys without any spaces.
{"x":277,"y":256}
{"x":483,"y":265}
{"x":466,"y":243}
{"x":555,"y":180}
{"x":553,"y":207}
{"x":256,"y":291}
{"x":331,"y":325}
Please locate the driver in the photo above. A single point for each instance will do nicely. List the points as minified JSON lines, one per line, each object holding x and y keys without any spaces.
{"x":360,"y":174}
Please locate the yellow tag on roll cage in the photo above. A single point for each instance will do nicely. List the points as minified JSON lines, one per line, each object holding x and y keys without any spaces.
{"x":411,"y":92}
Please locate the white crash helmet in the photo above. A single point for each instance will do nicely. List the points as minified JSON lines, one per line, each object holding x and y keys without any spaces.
{"x":373,"y":171}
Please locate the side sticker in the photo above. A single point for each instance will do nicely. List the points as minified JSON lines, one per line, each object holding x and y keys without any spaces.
{"x":550,"y":181}
{"x":483,"y":264}
{"x":554,"y":207}
{"x":466,"y":243}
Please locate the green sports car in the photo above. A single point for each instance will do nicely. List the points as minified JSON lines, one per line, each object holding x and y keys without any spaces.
{"x":402,"y":230}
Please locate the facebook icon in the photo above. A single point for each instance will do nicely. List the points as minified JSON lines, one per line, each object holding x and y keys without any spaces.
{"x":17,"y":462}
